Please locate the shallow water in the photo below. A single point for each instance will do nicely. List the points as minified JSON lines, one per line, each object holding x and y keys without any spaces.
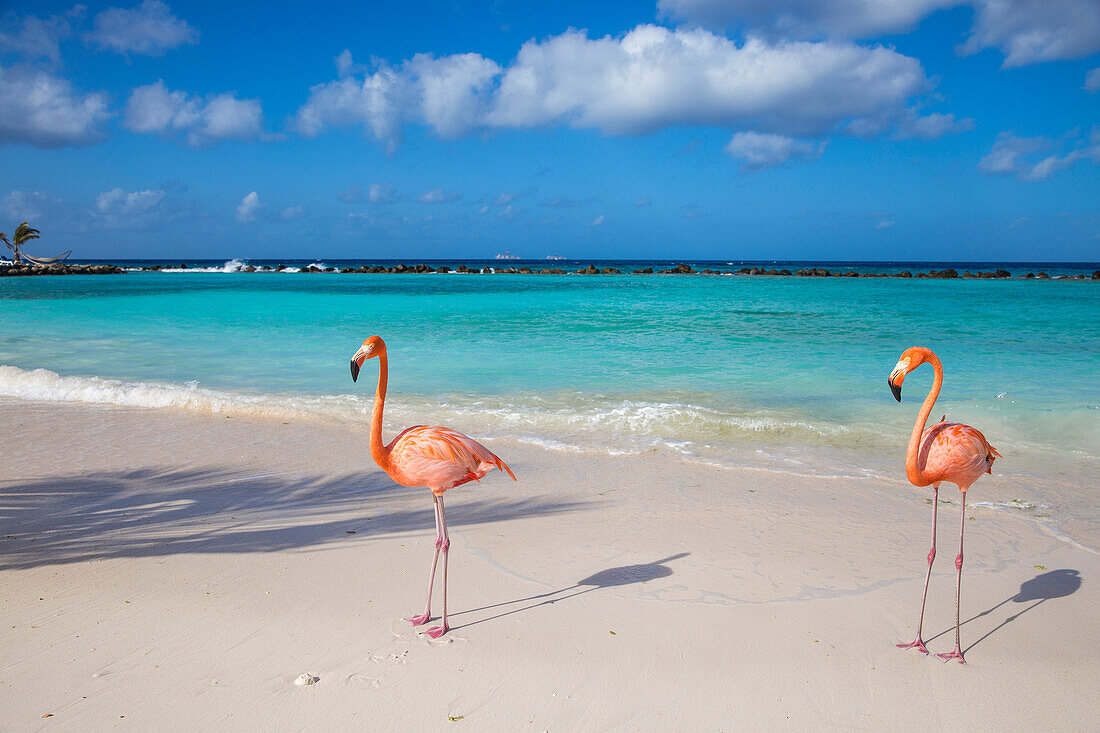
{"x":783,"y":373}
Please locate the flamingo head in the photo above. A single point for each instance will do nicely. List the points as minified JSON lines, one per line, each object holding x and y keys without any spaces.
{"x":372,"y":347}
{"x":910,"y":360}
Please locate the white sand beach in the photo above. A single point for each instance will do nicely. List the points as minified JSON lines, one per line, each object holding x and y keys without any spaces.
{"x":174,"y":571}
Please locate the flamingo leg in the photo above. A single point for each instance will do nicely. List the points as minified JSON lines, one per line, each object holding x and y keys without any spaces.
{"x":437,"y":631}
{"x":957,"y":654}
{"x":426,"y":616}
{"x":919,"y":643}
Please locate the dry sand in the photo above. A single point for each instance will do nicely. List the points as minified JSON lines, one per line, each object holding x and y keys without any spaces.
{"x":171,"y":571}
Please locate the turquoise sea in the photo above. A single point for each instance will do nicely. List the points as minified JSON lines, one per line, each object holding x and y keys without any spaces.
{"x":777,"y":373}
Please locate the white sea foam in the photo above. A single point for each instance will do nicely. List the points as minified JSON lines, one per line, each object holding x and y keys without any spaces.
{"x":566,"y":422}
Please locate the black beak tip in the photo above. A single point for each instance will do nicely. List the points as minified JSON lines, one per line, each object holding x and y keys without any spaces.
{"x":895,"y":389}
{"x":354,"y":371}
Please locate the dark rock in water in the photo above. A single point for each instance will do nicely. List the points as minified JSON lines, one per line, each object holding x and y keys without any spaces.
{"x":610,"y":271}
{"x":644,"y":271}
{"x":1043,"y":276}
{"x":183,"y":266}
{"x":248,"y":268}
{"x":784,"y":272}
{"x":1030,"y":276}
{"x":744,"y":271}
{"x":347,"y":270}
{"x":679,"y":270}
{"x":525,"y":271}
{"x":265,"y":268}
{"x":463,"y":268}
{"x":590,"y":270}
{"x":442,"y":269}
{"x":1096,"y":275}
{"x":280,"y":268}
{"x":28,"y":270}
{"x":330,"y":269}
{"x":1002,"y":273}
{"x":311,"y":268}
{"x":904,"y":273}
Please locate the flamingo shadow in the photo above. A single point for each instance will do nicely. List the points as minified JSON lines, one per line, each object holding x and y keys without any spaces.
{"x":1041,"y":588}
{"x":609,"y":578}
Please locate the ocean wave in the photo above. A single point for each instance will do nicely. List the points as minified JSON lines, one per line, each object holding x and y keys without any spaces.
{"x":230,"y":266}
{"x":565,"y":421}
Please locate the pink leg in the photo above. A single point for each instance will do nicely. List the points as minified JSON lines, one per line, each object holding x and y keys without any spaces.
{"x":437,"y":631}
{"x":957,"y":654}
{"x":426,"y":616}
{"x":919,"y":643}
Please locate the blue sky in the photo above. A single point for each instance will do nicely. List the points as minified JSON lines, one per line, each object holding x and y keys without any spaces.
{"x":836,"y":129}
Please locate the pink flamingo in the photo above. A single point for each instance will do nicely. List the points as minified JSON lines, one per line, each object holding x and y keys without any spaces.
{"x":947,"y":451}
{"x":433,"y":457}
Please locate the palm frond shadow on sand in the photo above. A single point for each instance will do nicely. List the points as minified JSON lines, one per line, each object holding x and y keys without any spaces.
{"x":159,"y":511}
{"x":1041,"y":588}
{"x":608,"y":578}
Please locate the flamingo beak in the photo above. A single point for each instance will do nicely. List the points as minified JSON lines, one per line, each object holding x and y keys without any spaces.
{"x":897,"y":378}
{"x":357,"y":364}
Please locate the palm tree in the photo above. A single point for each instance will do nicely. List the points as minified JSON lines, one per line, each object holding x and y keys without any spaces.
{"x":23,"y":233}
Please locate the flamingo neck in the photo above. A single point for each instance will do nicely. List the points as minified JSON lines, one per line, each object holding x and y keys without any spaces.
{"x":377,"y":450}
{"x":912,"y":471}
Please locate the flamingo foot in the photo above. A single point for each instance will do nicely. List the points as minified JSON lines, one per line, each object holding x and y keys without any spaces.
{"x":418,"y":620}
{"x":957,"y":654}
{"x":437,"y":631}
{"x":918,"y":645}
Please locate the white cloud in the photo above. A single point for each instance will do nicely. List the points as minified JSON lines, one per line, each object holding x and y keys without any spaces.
{"x":644,"y":202}
{"x":380,"y":193}
{"x":1026,"y":31}
{"x":649,"y":79}
{"x":886,"y":224}
{"x":437,"y":196}
{"x":1013,"y":155}
{"x":19,"y":206}
{"x":1092,"y":80}
{"x":509,"y":212}
{"x":1031,"y":31}
{"x":117,"y":202}
{"x":37,"y":38}
{"x":931,"y":126}
{"x":598,"y":221}
{"x":249,"y":208}
{"x":376,"y":102}
{"x":148,"y":29}
{"x":376,"y":193}
{"x":202,"y":121}
{"x":292,"y":212}
{"x":804,"y":18}
{"x":44,"y":110}
{"x":504,"y":199}
{"x":759,"y":150}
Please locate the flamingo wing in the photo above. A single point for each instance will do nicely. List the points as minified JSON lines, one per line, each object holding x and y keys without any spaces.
{"x":957,"y":453}
{"x":441,"y":458}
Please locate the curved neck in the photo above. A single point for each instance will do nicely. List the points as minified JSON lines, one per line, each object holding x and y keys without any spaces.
{"x":377,"y":451}
{"x":912,"y":471}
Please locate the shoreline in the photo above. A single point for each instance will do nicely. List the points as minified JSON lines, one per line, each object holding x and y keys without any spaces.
{"x":24,"y":270}
{"x":189,"y":567}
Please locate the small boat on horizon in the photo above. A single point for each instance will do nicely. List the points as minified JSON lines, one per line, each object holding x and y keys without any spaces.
{"x":555,"y":256}
{"x":507,"y":255}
